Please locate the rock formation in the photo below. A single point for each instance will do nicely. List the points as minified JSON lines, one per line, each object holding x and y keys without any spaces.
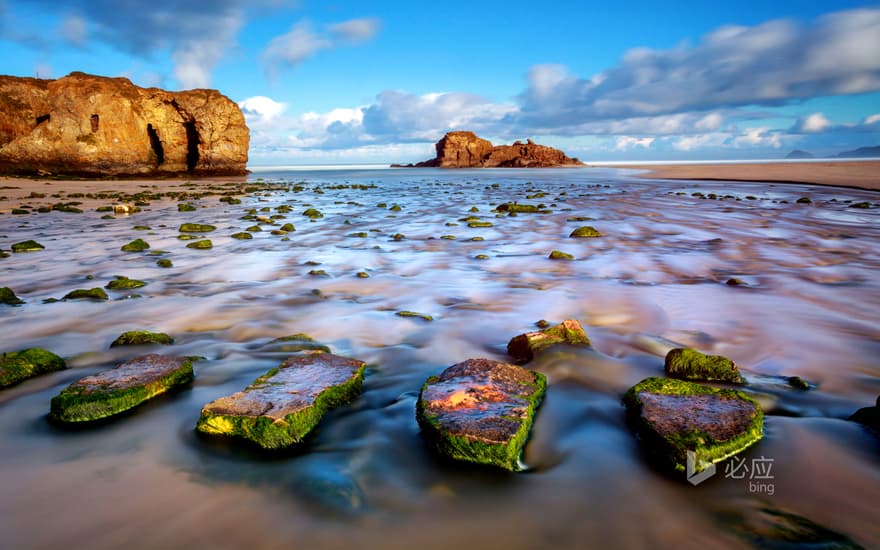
{"x":96,"y":126}
{"x":466,"y":150}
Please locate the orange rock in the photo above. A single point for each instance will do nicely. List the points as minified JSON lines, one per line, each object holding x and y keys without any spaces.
{"x":466,"y":150}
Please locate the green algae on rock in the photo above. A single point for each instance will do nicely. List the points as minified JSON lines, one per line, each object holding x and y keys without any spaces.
{"x":673,"y":417}
{"x":518,"y":208}
{"x":480,"y":411}
{"x":480,"y":224}
{"x":16,"y":366}
{"x":137,"y":245}
{"x":124,"y":283}
{"x":119,"y":389}
{"x":559,"y":255}
{"x":196,"y":228}
{"x":204,"y":244}
{"x":584,"y":232}
{"x":295,"y":343}
{"x":523,"y":347}
{"x":406,"y":313}
{"x":8,"y":297}
{"x":27,"y":246}
{"x":184,"y":207}
{"x":312,"y":213}
{"x":164,"y":262}
{"x":86,"y":294}
{"x":142,"y":337}
{"x":362,"y":275}
{"x":690,"y":364}
{"x":281,"y":407}
{"x":242,"y":236}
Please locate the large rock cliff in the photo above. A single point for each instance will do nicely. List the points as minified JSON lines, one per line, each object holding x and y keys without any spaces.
{"x":96,"y":126}
{"x":466,"y":150}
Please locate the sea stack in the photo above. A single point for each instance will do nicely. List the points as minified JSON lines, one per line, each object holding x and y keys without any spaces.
{"x":466,"y":150}
{"x":86,"y":125}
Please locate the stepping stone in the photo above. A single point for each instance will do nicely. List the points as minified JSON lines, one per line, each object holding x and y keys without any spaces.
{"x":480,"y":411}
{"x":690,"y":364}
{"x":673,"y":417}
{"x":281,"y":407}
{"x":17,"y":366}
{"x":117,"y":390}
{"x":524,"y":347}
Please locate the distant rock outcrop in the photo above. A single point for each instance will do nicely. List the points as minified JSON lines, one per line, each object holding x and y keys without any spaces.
{"x":466,"y":150}
{"x":97,"y":126}
{"x":798,"y":154}
{"x":861,"y":152}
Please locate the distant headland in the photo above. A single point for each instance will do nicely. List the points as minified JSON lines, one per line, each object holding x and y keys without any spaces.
{"x":466,"y":150}
{"x":86,"y":125}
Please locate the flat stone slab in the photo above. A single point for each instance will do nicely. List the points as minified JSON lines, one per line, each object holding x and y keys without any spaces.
{"x":480,"y":411}
{"x":524,"y":346}
{"x":690,"y":364}
{"x":673,"y":417}
{"x":122,"y":388}
{"x":281,"y":407}
{"x":17,"y":366}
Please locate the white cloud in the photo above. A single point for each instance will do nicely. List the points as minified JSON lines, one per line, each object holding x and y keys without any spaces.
{"x":303,"y":41}
{"x":357,"y":30}
{"x":74,"y":29}
{"x":629,"y":142}
{"x":261,"y":109}
{"x":700,"y":141}
{"x":758,"y":137}
{"x":873,"y":119}
{"x":812,"y":124}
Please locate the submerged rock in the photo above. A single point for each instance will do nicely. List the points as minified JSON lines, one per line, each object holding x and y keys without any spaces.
{"x":196,"y":228}
{"x":869,"y":416}
{"x":480,"y":411}
{"x":584,"y":232}
{"x":141,"y":338}
{"x":86,"y":294}
{"x":242,"y":236}
{"x":690,"y":364}
{"x":406,"y":313}
{"x":296,"y":342}
{"x":8,"y":297}
{"x":777,"y":529}
{"x":16,"y":366}
{"x":204,"y":244}
{"x":164,"y":263}
{"x":281,"y":407}
{"x":559,"y":255}
{"x":27,"y":246}
{"x":119,"y":389}
{"x":137,"y":245}
{"x":673,"y":417}
{"x":524,"y":346}
{"x":518,"y":208}
{"x":124,"y":283}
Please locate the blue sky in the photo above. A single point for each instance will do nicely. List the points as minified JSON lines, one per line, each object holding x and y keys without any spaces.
{"x":348,"y":82}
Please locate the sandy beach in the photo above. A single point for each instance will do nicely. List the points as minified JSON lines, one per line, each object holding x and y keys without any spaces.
{"x":863,"y":175}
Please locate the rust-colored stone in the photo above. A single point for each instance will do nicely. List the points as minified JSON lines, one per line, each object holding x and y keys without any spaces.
{"x":466,"y":150}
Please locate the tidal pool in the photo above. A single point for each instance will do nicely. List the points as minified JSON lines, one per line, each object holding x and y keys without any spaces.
{"x":809,"y":306}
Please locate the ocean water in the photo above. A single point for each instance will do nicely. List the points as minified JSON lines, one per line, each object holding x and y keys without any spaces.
{"x":365,"y":479}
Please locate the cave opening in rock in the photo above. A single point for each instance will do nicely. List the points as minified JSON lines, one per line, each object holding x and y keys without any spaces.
{"x":156,"y":144}
{"x":43,"y":118}
{"x":192,"y":145}
{"x":95,"y":121}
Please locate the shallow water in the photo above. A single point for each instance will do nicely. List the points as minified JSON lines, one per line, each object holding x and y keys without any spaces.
{"x":811,"y":307}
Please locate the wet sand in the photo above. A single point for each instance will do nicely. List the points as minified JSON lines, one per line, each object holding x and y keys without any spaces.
{"x":859,"y":174}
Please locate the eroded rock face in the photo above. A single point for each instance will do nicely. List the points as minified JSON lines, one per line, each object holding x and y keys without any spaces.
{"x":523,"y":347}
{"x":466,"y":150}
{"x":91,"y":125}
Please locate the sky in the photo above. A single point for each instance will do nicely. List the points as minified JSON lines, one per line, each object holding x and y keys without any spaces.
{"x":341,"y":82}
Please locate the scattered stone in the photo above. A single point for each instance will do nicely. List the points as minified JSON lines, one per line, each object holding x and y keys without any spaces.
{"x":558,"y":255}
{"x":804,"y":200}
{"x":16,"y":366}
{"x":397,"y":237}
{"x":766,"y":527}
{"x":142,"y":338}
{"x":479,"y":224}
{"x":480,"y":411}
{"x":125,"y":208}
{"x":586,"y":231}
{"x":313,"y":214}
{"x":524,"y":346}
{"x":733,"y":281}
{"x":358,"y":235}
{"x":142,"y":228}
{"x":318,"y":273}
{"x":164,"y":262}
{"x":8,"y":297}
{"x":518,"y":208}
{"x":481,"y":257}
{"x":124,"y":283}
{"x":579,"y":219}
{"x":187,"y":237}
{"x":204,"y":244}
{"x":196,"y":228}
{"x":86,"y":294}
{"x":869,"y":416}
{"x":673,"y":417}
{"x":288,"y":227}
{"x":363,"y":275}
{"x":119,"y":389}
{"x":27,"y":246}
{"x":183,"y":207}
{"x":281,"y":407}
{"x":395,"y":208}
{"x":295,"y":343}
{"x":448,"y":237}
{"x":137,"y":245}
{"x":860,"y":205}
{"x":690,"y":364}
{"x":798,"y":383}
{"x":405,"y":313}
{"x":242,"y":236}
{"x":543,"y":323}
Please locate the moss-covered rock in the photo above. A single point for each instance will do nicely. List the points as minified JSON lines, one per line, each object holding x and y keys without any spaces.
{"x":673,"y":417}
{"x":480,"y":411}
{"x":362,"y":275}
{"x":117,"y":390}
{"x":124,"y":283}
{"x":141,"y":338}
{"x":184,"y":207}
{"x":523,"y":347}
{"x":287,"y":227}
{"x":423,"y":316}
{"x":312,"y":213}
{"x":196,"y":228}
{"x":518,"y":208}
{"x":27,"y":246}
{"x":8,"y":297}
{"x":690,"y":364}
{"x":164,"y":262}
{"x":860,"y":205}
{"x":585,"y":232}
{"x":479,"y":224}
{"x":203,"y":244}
{"x":281,"y":407}
{"x":137,"y":245}
{"x":804,"y":200}
{"x":86,"y":294}
{"x":295,"y":343}
{"x":16,"y":366}
{"x":559,"y":255}
{"x":242,"y":236}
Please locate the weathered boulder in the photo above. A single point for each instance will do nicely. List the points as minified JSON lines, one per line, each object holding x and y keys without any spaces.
{"x":142,"y":338}
{"x":83,"y":124}
{"x":281,"y":407}
{"x":466,"y":150}
{"x":8,"y":297}
{"x":690,"y":364}
{"x":16,"y":366}
{"x":119,"y":389}
{"x":869,"y":416}
{"x":295,"y":343}
{"x":480,"y":411}
{"x":523,"y":347}
{"x":673,"y":417}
